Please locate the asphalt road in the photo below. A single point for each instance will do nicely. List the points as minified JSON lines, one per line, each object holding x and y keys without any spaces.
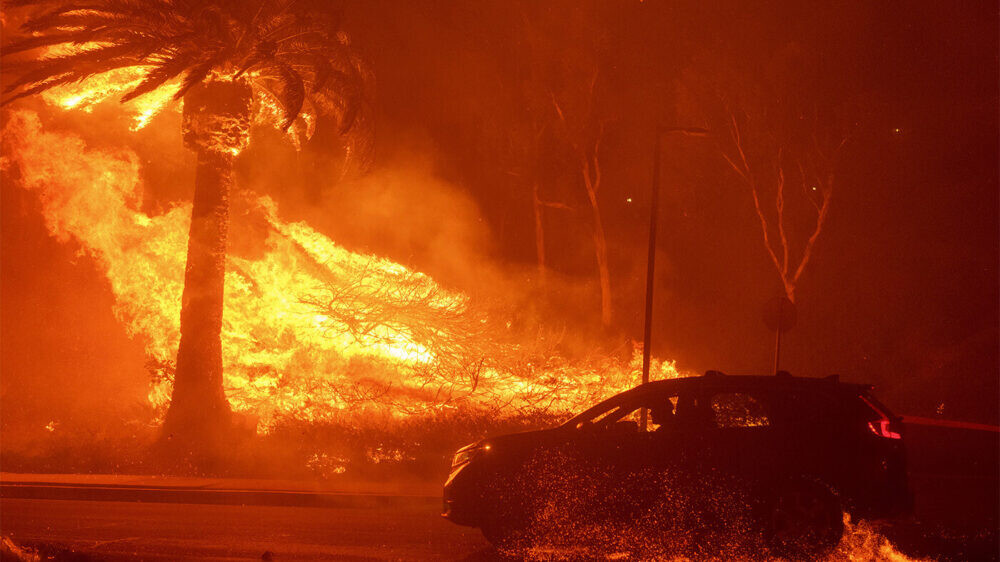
{"x":86,"y":518}
{"x":169,"y":531}
{"x":88,"y":530}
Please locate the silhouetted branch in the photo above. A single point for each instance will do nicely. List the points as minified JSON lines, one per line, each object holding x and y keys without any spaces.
{"x":815,"y":173}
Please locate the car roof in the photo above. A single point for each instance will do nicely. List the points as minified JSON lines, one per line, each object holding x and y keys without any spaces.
{"x":715,"y":380}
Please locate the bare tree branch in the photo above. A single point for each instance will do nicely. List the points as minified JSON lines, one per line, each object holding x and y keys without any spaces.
{"x":820,"y":220}
{"x":815,"y":172}
{"x":779,"y":203}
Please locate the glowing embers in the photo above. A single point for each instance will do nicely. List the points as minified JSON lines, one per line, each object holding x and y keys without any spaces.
{"x":580,"y":511}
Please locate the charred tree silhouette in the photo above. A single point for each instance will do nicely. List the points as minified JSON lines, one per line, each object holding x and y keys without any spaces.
{"x":216,"y":126}
{"x":779,"y":168}
{"x":525,"y":151}
{"x":781,"y":127}
{"x":563,"y":87}
{"x":528,"y":138}
{"x":585,"y":139}
{"x":237,"y":63}
{"x":538,"y":206}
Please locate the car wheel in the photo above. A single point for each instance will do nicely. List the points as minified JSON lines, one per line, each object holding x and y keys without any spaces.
{"x":806,"y":520}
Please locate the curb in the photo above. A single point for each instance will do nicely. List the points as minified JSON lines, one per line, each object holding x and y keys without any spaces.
{"x":157,"y":494}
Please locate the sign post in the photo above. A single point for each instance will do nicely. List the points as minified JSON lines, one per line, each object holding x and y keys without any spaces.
{"x":780,"y":316}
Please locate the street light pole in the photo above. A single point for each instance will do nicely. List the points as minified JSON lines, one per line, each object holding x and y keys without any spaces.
{"x":654,"y":211}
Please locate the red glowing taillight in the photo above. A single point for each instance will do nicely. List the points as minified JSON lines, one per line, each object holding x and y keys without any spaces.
{"x":882,"y":426}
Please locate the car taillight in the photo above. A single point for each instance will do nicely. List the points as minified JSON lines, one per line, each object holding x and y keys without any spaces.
{"x":881,"y":426}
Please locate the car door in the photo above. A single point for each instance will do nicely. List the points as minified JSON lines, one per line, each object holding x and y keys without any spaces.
{"x":705,"y":484}
{"x":592,"y":465}
{"x":619,"y":461}
{"x":744,"y":441}
{"x":654,"y":468}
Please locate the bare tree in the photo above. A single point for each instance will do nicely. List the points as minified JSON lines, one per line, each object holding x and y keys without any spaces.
{"x":524,"y":154}
{"x":781,"y":121}
{"x":775,"y":168}
{"x":585,"y":138}
{"x":562,"y":88}
{"x":539,"y":205}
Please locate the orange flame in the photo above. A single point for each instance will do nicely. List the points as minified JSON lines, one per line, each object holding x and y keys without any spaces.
{"x":282,"y":356}
{"x":87,"y":93}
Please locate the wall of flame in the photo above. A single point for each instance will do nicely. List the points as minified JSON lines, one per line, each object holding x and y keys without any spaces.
{"x":284,"y":356}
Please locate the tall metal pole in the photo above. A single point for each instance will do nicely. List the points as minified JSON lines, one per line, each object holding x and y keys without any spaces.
{"x":647,"y":334}
{"x":654,"y":212}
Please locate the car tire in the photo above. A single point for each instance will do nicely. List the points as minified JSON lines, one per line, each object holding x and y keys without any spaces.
{"x":805,"y":520}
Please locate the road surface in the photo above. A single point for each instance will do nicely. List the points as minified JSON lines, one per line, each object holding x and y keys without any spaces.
{"x":102,"y":517}
{"x":170,"y":531}
{"x":90,"y":530}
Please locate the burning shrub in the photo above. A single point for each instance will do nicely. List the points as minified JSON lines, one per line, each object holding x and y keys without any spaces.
{"x":313,"y":334}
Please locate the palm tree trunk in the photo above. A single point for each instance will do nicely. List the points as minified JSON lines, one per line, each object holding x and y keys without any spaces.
{"x":217,"y":126}
{"x":198,"y":406}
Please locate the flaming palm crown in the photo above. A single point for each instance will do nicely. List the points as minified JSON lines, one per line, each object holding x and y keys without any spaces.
{"x":298,"y":63}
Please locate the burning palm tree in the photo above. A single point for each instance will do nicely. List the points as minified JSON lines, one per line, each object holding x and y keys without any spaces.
{"x":236,"y":61}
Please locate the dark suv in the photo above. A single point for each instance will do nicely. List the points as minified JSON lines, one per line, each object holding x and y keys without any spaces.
{"x":783,"y":456}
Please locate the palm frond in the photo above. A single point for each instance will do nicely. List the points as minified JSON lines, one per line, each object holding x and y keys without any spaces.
{"x":108,"y":58}
{"x":99,"y":14}
{"x":286,"y":50}
{"x":79,"y":73}
{"x":160,"y":75}
{"x":37,"y":41}
{"x":342,"y":92}
{"x":290,"y":91}
{"x":195,"y":75}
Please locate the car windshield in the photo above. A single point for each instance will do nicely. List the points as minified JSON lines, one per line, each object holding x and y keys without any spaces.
{"x":600,"y":409}
{"x":625,"y":407}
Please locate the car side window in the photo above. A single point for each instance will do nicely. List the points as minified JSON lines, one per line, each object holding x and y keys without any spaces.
{"x":611,"y":416}
{"x":659,"y":412}
{"x":625,"y":417}
{"x":738,"y":409}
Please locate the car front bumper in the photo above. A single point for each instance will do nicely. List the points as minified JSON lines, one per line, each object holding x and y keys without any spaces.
{"x":461,"y":501}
